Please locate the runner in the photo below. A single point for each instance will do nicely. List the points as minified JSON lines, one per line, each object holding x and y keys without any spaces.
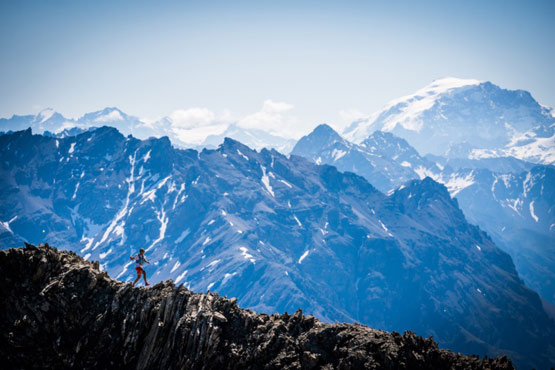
{"x":139,"y":261}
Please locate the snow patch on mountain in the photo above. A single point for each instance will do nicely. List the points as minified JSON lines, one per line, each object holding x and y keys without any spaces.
{"x":242,"y":155}
{"x":455,"y":183}
{"x":286,"y":183}
{"x":532,"y":212}
{"x":45,"y":114}
{"x":246,"y":255}
{"x":537,"y":149}
{"x":147,"y":156}
{"x":337,"y":154}
{"x":181,"y":276}
{"x":6,"y":225}
{"x":163,"y":219}
{"x":266,"y":182}
{"x":175,"y":266}
{"x":304,"y":255}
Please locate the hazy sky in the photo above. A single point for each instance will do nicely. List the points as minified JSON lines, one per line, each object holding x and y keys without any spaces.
{"x":315,"y":58}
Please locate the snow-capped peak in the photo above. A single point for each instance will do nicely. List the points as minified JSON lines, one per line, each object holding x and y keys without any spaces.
{"x":109,"y":115}
{"x":45,"y":114}
{"x":452,"y":111}
{"x":443,"y":84}
{"x":428,"y":93}
{"x":407,"y":109}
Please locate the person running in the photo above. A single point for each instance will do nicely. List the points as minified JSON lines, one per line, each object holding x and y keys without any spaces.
{"x":139,"y":261}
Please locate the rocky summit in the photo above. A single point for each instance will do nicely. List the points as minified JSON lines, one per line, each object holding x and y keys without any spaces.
{"x":59,"y":311}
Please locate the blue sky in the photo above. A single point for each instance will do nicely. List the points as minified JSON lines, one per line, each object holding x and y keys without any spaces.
{"x":150,"y":58}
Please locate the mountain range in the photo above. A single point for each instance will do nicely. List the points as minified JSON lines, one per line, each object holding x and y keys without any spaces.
{"x":513,"y":201}
{"x":276,"y":232}
{"x":459,"y":120}
{"x":466,"y":118}
{"x":365,"y":228}
{"x":52,"y":123}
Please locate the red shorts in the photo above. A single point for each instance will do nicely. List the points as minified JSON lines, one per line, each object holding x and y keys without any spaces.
{"x":139,"y":270}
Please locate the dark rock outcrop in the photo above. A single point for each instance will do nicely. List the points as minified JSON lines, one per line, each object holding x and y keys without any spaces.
{"x":59,"y":311}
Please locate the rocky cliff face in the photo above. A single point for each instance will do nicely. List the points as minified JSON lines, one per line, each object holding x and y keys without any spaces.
{"x":59,"y":311}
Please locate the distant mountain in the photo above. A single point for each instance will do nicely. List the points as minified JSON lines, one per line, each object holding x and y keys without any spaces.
{"x":515,"y":204}
{"x":256,"y":139}
{"x":496,"y":164}
{"x":518,"y":211}
{"x":467,"y":118}
{"x":45,"y":120}
{"x":278,"y":233}
{"x":67,"y":132}
{"x":384,"y":166}
{"x":114,"y":117}
{"x":51,"y":123}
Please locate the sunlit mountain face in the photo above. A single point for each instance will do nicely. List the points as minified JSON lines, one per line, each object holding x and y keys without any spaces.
{"x":467,"y":118}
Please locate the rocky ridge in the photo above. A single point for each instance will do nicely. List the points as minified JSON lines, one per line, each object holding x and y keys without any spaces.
{"x":59,"y":311}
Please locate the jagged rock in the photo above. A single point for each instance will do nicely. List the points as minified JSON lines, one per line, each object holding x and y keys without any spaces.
{"x":58,"y":311}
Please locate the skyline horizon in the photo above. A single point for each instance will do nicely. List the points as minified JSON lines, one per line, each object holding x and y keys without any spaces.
{"x":203,"y":117}
{"x":324,"y":61}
